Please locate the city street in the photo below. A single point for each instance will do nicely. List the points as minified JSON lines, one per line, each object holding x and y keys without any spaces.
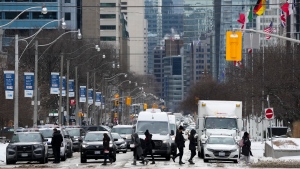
{"x":125,"y":160}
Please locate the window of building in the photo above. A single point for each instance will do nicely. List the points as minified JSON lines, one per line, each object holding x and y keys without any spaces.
{"x":67,"y":1}
{"x":156,"y":61}
{"x":40,"y":0}
{"x":107,"y":16}
{"x":108,"y":27}
{"x":49,"y":15}
{"x":107,"y":4}
{"x":208,"y":61}
{"x":0,"y":15}
{"x":108,"y":38}
{"x":208,"y":50}
{"x":123,"y":8}
{"x":123,"y":3}
{"x":12,"y":15}
{"x":67,"y":16}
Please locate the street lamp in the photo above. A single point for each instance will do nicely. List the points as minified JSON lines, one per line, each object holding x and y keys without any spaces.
{"x":16,"y":101}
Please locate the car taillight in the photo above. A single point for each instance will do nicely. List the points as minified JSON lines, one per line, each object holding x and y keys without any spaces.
{"x":62,"y":145}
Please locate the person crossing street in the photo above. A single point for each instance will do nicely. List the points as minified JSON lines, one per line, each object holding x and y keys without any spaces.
{"x":56,"y":141}
{"x":192,"y":145}
{"x":149,"y":146}
{"x":179,"y":140}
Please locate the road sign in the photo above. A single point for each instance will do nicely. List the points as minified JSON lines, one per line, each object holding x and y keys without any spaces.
{"x":72,"y":102}
{"x":269,"y":113}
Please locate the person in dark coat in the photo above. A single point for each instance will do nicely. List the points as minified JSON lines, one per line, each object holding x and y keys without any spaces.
{"x":106,"y":141}
{"x":246,"y":149}
{"x":179,"y":140}
{"x":148,"y":145}
{"x":192,"y":145}
{"x":56,"y":141}
{"x":138,"y":151}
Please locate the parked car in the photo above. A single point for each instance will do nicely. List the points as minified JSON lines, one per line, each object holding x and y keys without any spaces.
{"x":77,"y":134}
{"x":125,"y":132}
{"x":92,"y":146}
{"x":69,"y":141}
{"x":47,"y":133}
{"x":120,"y":142}
{"x":27,"y":146}
{"x":221,"y":147}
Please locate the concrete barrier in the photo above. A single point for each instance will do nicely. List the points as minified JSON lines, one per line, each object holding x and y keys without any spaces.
{"x":280,"y":152}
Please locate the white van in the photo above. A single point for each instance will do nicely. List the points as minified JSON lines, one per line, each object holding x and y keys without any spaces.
{"x":158,"y":125}
{"x":173,"y":126}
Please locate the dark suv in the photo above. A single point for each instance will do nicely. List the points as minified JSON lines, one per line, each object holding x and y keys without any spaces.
{"x":77,"y":134}
{"x":92,"y":146}
{"x":27,"y":146}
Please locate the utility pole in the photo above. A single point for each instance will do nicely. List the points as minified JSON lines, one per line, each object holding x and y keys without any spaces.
{"x":87,"y":96}
{"x":67,"y":93}
{"x":35,"y":106}
{"x":60,"y":118}
{"x":77,"y":97}
{"x":95,"y":116}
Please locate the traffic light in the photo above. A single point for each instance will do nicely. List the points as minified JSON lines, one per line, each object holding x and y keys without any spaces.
{"x":128,"y":101}
{"x":145,"y":106}
{"x":234,"y":46}
{"x":116,"y":103}
{"x":115,"y":115}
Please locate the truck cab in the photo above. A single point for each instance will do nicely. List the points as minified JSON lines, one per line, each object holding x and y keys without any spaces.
{"x":216,"y":118}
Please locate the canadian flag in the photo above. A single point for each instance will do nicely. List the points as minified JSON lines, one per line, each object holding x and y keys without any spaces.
{"x":238,"y":64}
{"x":288,"y":7}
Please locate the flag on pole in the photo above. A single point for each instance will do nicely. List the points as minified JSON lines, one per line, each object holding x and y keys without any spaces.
{"x":282,"y":18}
{"x":260,"y":7}
{"x":249,"y":50}
{"x":269,"y":29}
{"x":288,"y":7}
{"x":250,"y":15}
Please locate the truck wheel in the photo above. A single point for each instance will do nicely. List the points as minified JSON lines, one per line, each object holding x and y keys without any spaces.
{"x":205,"y":160}
{"x":43,"y":160}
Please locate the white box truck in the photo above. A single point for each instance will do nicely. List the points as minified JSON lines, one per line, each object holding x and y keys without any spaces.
{"x":218,"y":118}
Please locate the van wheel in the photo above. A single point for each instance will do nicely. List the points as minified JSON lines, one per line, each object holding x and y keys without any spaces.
{"x":205,"y":160}
{"x":43,"y":160}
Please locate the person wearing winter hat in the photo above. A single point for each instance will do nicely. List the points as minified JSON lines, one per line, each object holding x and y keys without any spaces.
{"x":149,"y":145}
{"x":192,"y":145}
{"x":179,"y":140}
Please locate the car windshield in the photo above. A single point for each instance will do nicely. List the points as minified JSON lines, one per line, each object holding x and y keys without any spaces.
{"x":116,"y":136}
{"x":220,"y":123}
{"x":94,"y":137}
{"x":221,"y":140}
{"x":26,"y":137}
{"x":47,"y":133}
{"x":74,"y":132}
{"x":122,"y":130}
{"x":154,"y":127}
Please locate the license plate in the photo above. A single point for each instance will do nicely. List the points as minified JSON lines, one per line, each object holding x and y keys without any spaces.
{"x":97,"y":152}
{"x":221,"y":154}
{"x":24,"y":154}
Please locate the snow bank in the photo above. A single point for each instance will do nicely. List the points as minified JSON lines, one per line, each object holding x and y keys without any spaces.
{"x":3,"y":152}
{"x":285,"y":143}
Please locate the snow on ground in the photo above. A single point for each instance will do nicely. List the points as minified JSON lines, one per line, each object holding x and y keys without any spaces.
{"x":285,"y":143}
{"x":3,"y":152}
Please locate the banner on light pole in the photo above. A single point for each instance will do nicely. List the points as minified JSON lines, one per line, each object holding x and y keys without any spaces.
{"x":54,"y":86}
{"x":90,"y":96}
{"x":82,"y":94}
{"x":28,"y":84}
{"x":64,"y":84}
{"x":71,"y":88}
{"x":9,"y":83}
{"x":98,"y":99}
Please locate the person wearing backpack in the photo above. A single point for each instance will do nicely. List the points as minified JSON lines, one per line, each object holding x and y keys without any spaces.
{"x":246,"y":148}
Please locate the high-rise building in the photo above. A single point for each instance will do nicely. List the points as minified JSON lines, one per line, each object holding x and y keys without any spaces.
{"x":104,"y":22}
{"x":137,"y":29}
{"x":172,"y":17}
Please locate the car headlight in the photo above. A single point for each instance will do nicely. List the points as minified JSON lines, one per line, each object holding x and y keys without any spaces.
{"x":38,"y":146}
{"x":233,"y":150}
{"x":11,"y":146}
{"x":173,"y":138}
{"x":84,"y":145}
{"x":123,"y":145}
{"x":110,"y":145}
{"x":209,"y":149}
{"x":165,"y":141}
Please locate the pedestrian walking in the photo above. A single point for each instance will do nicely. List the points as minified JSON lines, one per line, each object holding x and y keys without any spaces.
{"x":138,"y":151}
{"x":106,"y":141}
{"x":149,"y":145}
{"x":179,"y":140}
{"x":246,"y":148}
{"x":192,"y":145}
{"x":56,"y":141}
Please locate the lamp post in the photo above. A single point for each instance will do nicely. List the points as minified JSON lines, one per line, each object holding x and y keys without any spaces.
{"x":107,"y":80}
{"x":16,"y":92}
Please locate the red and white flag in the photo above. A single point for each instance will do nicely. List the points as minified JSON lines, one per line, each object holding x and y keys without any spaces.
{"x":249,"y":50}
{"x":282,"y":19}
{"x":238,"y":64}
{"x":288,"y":7}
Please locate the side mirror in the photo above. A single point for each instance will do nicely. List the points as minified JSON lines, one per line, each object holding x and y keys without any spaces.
{"x":172,"y":132}
{"x":115,"y":139}
{"x":45,"y":139}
